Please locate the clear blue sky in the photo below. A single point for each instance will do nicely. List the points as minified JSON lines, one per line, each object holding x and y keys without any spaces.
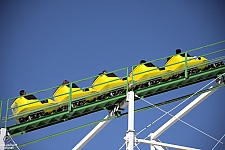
{"x":44,"y":42}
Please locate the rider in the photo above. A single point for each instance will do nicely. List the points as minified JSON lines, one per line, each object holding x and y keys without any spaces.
{"x":66,"y":82}
{"x":31,"y":96}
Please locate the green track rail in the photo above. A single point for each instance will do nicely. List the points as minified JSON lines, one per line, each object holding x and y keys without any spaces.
{"x":101,"y":105}
{"x":124,"y":114}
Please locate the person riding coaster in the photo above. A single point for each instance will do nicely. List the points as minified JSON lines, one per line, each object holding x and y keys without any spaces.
{"x":195,"y":64}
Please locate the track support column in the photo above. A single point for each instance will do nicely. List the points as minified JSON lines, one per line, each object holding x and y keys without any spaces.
{"x":130,"y":131}
{"x":2,"y":138}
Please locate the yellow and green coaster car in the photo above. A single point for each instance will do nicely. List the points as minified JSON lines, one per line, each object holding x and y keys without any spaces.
{"x":29,"y":107}
{"x":146,"y":74}
{"x":195,"y":64}
{"x":79,"y":96}
{"x":108,"y":85}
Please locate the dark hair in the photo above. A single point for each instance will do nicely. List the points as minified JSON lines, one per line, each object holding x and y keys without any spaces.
{"x":178,"y":51}
{"x":65,"y":82}
{"x":22,"y":92}
{"x":142,"y":61}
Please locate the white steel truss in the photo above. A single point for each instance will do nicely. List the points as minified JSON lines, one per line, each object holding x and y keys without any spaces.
{"x":130,"y":139}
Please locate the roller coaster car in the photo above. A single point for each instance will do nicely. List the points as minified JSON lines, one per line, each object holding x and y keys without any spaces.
{"x":29,"y":108}
{"x":149,"y":74}
{"x":114,"y":85}
{"x":195,"y":64}
{"x":61,"y":95}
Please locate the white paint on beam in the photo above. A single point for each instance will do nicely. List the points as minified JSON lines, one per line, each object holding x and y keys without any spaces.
{"x":2,"y":138}
{"x":164,"y":144}
{"x":130,"y":131}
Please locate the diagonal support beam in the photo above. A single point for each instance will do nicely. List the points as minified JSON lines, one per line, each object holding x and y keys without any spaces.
{"x":164,"y":144}
{"x":158,"y":147}
{"x":183,"y":112}
{"x":99,"y":127}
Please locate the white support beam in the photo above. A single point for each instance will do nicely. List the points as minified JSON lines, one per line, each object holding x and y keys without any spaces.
{"x":2,"y":138}
{"x":183,"y":112}
{"x":158,"y":147}
{"x":130,"y":131}
{"x":164,"y":144}
{"x":99,"y":127}
{"x":152,"y":147}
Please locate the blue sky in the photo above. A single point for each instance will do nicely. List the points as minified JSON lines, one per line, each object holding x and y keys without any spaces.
{"x":44,"y":42}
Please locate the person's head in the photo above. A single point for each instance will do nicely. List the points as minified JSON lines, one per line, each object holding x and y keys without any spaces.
{"x":22,"y":92}
{"x":65,"y":82}
{"x":178,"y":51}
{"x":104,"y":72}
{"x":142,"y":61}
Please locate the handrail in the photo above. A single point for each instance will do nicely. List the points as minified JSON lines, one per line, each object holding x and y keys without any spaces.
{"x":195,"y":49}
